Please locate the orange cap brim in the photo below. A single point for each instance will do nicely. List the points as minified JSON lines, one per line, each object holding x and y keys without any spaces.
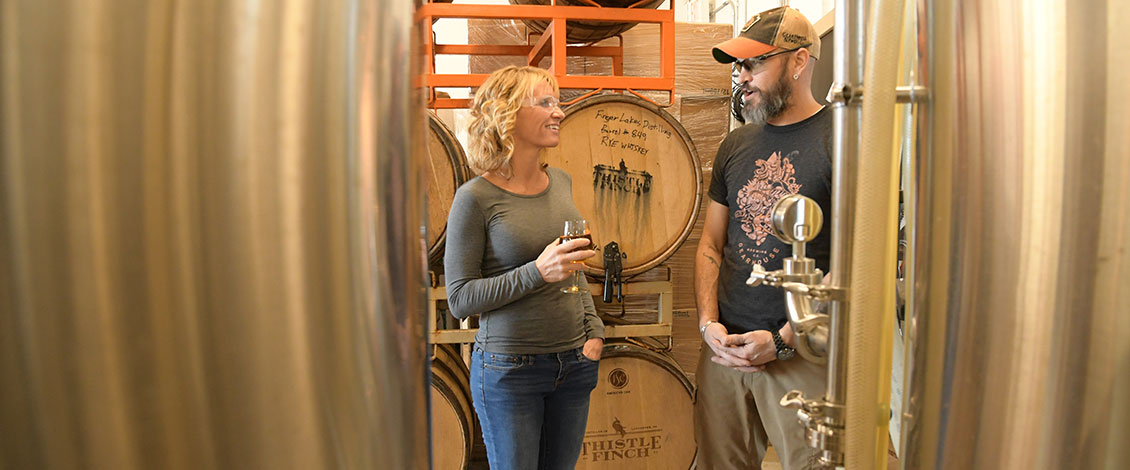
{"x":739,"y":48}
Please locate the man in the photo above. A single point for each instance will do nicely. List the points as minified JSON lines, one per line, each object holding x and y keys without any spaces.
{"x":785,"y":148}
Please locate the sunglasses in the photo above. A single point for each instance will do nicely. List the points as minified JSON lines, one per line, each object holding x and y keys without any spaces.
{"x":754,"y":63}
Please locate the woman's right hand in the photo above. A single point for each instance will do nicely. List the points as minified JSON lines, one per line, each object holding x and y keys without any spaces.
{"x":558,"y":260}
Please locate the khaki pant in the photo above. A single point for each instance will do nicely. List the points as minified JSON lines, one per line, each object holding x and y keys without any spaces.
{"x":736,"y":414}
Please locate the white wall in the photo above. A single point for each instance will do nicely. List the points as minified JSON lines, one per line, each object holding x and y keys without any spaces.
{"x":698,"y":11}
{"x":454,"y":31}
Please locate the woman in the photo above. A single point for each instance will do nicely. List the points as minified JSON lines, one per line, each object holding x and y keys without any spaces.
{"x":535,"y":357}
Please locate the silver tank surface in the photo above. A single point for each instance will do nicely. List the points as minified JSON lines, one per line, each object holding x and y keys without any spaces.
{"x":1020,"y":291}
{"x":210,"y":245}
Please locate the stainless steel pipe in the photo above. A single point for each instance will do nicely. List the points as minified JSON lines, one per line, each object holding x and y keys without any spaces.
{"x":210,"y":245}
{"x":848,"y":115}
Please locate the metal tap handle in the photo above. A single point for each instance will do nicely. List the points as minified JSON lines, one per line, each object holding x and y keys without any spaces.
{"x":796,"y":219}
{"x":757,"y":276}
{"x":805,"y":411}
{"x":613,"y":267}
{"x":794,"y":399}
{"x":609,"y":278}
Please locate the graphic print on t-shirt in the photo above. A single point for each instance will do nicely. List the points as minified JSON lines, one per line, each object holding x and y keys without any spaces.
{"x":773,"y":179}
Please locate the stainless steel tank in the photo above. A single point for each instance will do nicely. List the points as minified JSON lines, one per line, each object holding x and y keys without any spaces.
{"x":1020,"y":287}
{"x":210,"y":244}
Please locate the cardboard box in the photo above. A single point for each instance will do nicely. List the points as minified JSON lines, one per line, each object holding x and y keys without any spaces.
{"x":696,"y":71}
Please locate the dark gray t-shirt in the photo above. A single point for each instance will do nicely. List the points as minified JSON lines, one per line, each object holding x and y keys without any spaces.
{"x":755,"y":167}
{"x":493,"y":238}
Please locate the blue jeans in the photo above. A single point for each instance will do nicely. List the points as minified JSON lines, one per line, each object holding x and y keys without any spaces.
{"x":532,"y":407}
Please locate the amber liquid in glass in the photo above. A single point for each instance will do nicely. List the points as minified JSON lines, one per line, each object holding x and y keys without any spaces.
{"x":574,"y":229}
{"x":586,"y":235}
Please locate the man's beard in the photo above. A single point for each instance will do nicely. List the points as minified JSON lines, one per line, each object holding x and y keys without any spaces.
{"x":771,"y":104}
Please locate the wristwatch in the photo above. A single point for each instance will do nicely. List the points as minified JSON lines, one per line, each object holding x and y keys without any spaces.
{"x":784,"y":352}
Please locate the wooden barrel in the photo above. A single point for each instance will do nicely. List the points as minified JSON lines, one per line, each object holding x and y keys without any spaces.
{"x":453,"y":418}
{"x":583,"y":32}
{"x":446,"y":170}
{"x":636,"y":177}
{"x":641,"y":415}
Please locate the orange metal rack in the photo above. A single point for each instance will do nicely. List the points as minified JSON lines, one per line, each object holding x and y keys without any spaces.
{"x":551,"y":43}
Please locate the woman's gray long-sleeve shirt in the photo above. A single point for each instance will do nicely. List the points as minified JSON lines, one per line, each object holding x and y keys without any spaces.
{"x":493,"y":238}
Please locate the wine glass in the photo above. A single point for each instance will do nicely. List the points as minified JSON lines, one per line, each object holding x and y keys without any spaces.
{"x":574,"y":229}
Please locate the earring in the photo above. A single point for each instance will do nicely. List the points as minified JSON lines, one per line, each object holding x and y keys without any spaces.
{"x":796,"y":76}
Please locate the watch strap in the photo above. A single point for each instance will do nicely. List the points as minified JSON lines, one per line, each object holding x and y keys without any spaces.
{"x":784,"y":352}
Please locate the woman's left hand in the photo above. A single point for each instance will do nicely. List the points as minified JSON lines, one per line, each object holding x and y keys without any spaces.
{"x":593,"y":348}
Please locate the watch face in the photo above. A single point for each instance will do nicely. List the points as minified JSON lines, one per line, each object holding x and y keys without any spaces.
{"x":785,"y":354}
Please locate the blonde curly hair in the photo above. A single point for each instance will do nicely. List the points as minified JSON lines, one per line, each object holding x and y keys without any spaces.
{"x":494,"y":112}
